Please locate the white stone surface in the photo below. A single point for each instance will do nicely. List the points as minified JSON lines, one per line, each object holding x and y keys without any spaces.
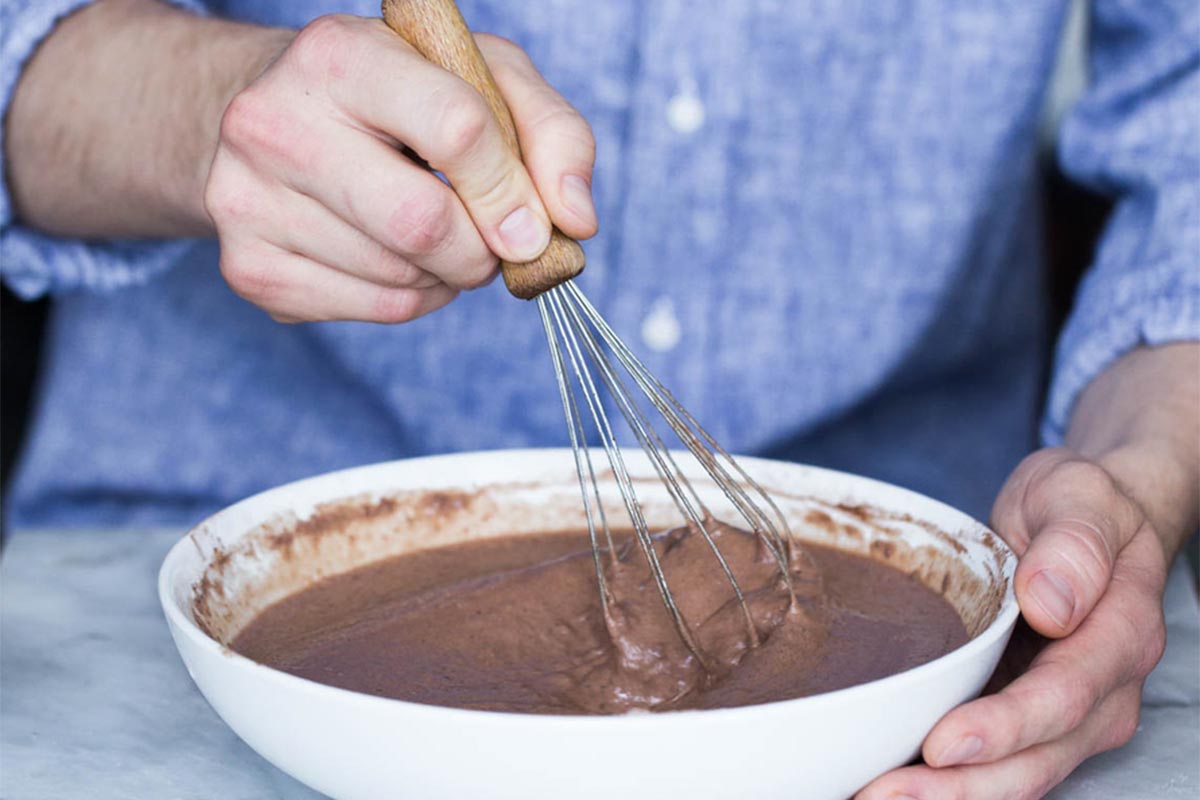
{"x":95,"y":703}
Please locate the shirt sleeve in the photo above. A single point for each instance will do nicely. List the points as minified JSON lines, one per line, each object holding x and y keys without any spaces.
{"x":34,"y":263}
{"x":1134,"y":136}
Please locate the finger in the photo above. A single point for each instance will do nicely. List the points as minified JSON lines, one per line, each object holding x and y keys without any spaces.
{"x":1009,"y":517}
{"x":1008,"y":512}
{"x":294,"y":289}
{"x":312,"y":231}
{"x":406,"y":209}
{"x":1078,"y":520}
{"x":1120,"y":642}
{"x":556,"y":141}
{"x":298,"y":224}
{"x":1027,"y":775}
{"x":385,"y":86}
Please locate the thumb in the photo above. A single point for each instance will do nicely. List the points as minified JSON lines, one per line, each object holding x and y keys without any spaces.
{"x":556,"y":142}
{"x":474,"y":155}
{"x":1076,"y":519}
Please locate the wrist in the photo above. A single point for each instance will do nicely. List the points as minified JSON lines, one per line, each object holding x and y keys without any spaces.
{"x":1140,"y":420}
{"x":230,"y":60}
{"x":1162,"y":480}
{"x":124,"y":151}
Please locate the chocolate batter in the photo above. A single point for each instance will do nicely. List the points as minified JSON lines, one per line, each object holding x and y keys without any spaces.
{"x":515,"y":624}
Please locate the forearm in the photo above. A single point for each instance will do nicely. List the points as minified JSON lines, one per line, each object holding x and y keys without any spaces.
{"x":1140,"y":419}
{"x":115,"y":119}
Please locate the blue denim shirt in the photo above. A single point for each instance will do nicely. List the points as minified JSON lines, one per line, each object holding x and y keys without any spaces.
{"x":819,"y":224}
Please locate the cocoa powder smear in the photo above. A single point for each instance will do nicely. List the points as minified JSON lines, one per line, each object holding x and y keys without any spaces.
{"x":515,"y":623}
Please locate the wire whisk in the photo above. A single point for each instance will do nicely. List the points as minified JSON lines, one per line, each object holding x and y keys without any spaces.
{"x":582,"y":344}
{"x":590,"y":360}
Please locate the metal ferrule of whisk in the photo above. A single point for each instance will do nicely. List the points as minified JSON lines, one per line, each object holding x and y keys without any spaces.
{"x":584,"y":348}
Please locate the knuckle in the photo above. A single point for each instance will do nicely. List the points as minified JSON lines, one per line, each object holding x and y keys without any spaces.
{"x":325,"y":46}
{"x":1072,"y":692}
{"x":394,"y":306}
{"x":400,"y":272}
{"x":563,"y":121}
{"x":1138,"y":623}
{"x":461,"y":125}
{"x":1002,"y":714}
{"x":562,"y":139}
{"x":419,"y":226}
{"x":252,"y":279}
{"x":216,"y":200}
{"x":1155,"y":645}
{"x":228,"y":204}
{"x":1018,"y":501}
{"x":256,"y":126}
{"x":249,"y":122}
{"x":1040,"y":462}
{"x":1139,"y":646}
{"x":586,"y":137}
{"x":1036,"y":786}
{"x":1078,"y":700}
{"x":498,"y":189}
{"x":214,"y":192}
{"x":1084,"y":477}
{"x":1086,"y":552}
{"x":478,"y":275}
{"x":1122,"y":729}
{"x":1008,"y":516}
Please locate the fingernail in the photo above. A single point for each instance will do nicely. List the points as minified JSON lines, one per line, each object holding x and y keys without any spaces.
{"x":523,"y":235}
{"x":1054,"y":595}
{"x":577,"y":195}
{"x":964,"y":749}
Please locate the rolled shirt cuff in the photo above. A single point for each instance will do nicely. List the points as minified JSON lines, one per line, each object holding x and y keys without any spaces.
{"x":34,"y":263}
{"x":1156,"y":306}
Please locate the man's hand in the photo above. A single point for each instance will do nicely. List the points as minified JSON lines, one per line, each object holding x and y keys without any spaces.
{"x":321,"y":216}
{"x":317,"y":190}
{"x":1091,"y":576}
{"x":1095,"y":529}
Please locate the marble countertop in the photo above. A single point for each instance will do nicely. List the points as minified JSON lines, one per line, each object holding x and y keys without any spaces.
{"x":94,"y":701}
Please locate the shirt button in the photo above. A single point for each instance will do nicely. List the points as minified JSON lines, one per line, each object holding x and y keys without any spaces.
{"x":661,"y":330}
{"x":685,"y":112}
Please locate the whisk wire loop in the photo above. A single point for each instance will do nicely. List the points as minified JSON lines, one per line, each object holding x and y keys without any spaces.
{"x":582,"y":455}
{"x":707,"y":451}
{"x":664,"y":464}
{"x":580,"y":342}
{"x":616,"y":461}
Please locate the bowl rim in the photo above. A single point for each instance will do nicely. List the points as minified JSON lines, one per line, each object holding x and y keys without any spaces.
{"x":181,"y":624}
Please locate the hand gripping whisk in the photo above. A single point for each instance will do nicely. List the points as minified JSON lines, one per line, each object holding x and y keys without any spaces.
{"x":589,"y":358}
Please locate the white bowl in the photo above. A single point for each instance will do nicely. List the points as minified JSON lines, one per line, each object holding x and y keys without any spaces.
{"x":352,"y":745}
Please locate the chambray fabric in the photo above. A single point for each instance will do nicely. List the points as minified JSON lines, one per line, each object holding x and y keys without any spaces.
{"x":819,"y":225}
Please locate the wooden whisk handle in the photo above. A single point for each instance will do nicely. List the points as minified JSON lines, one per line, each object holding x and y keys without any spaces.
{"x":436,"y":30}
